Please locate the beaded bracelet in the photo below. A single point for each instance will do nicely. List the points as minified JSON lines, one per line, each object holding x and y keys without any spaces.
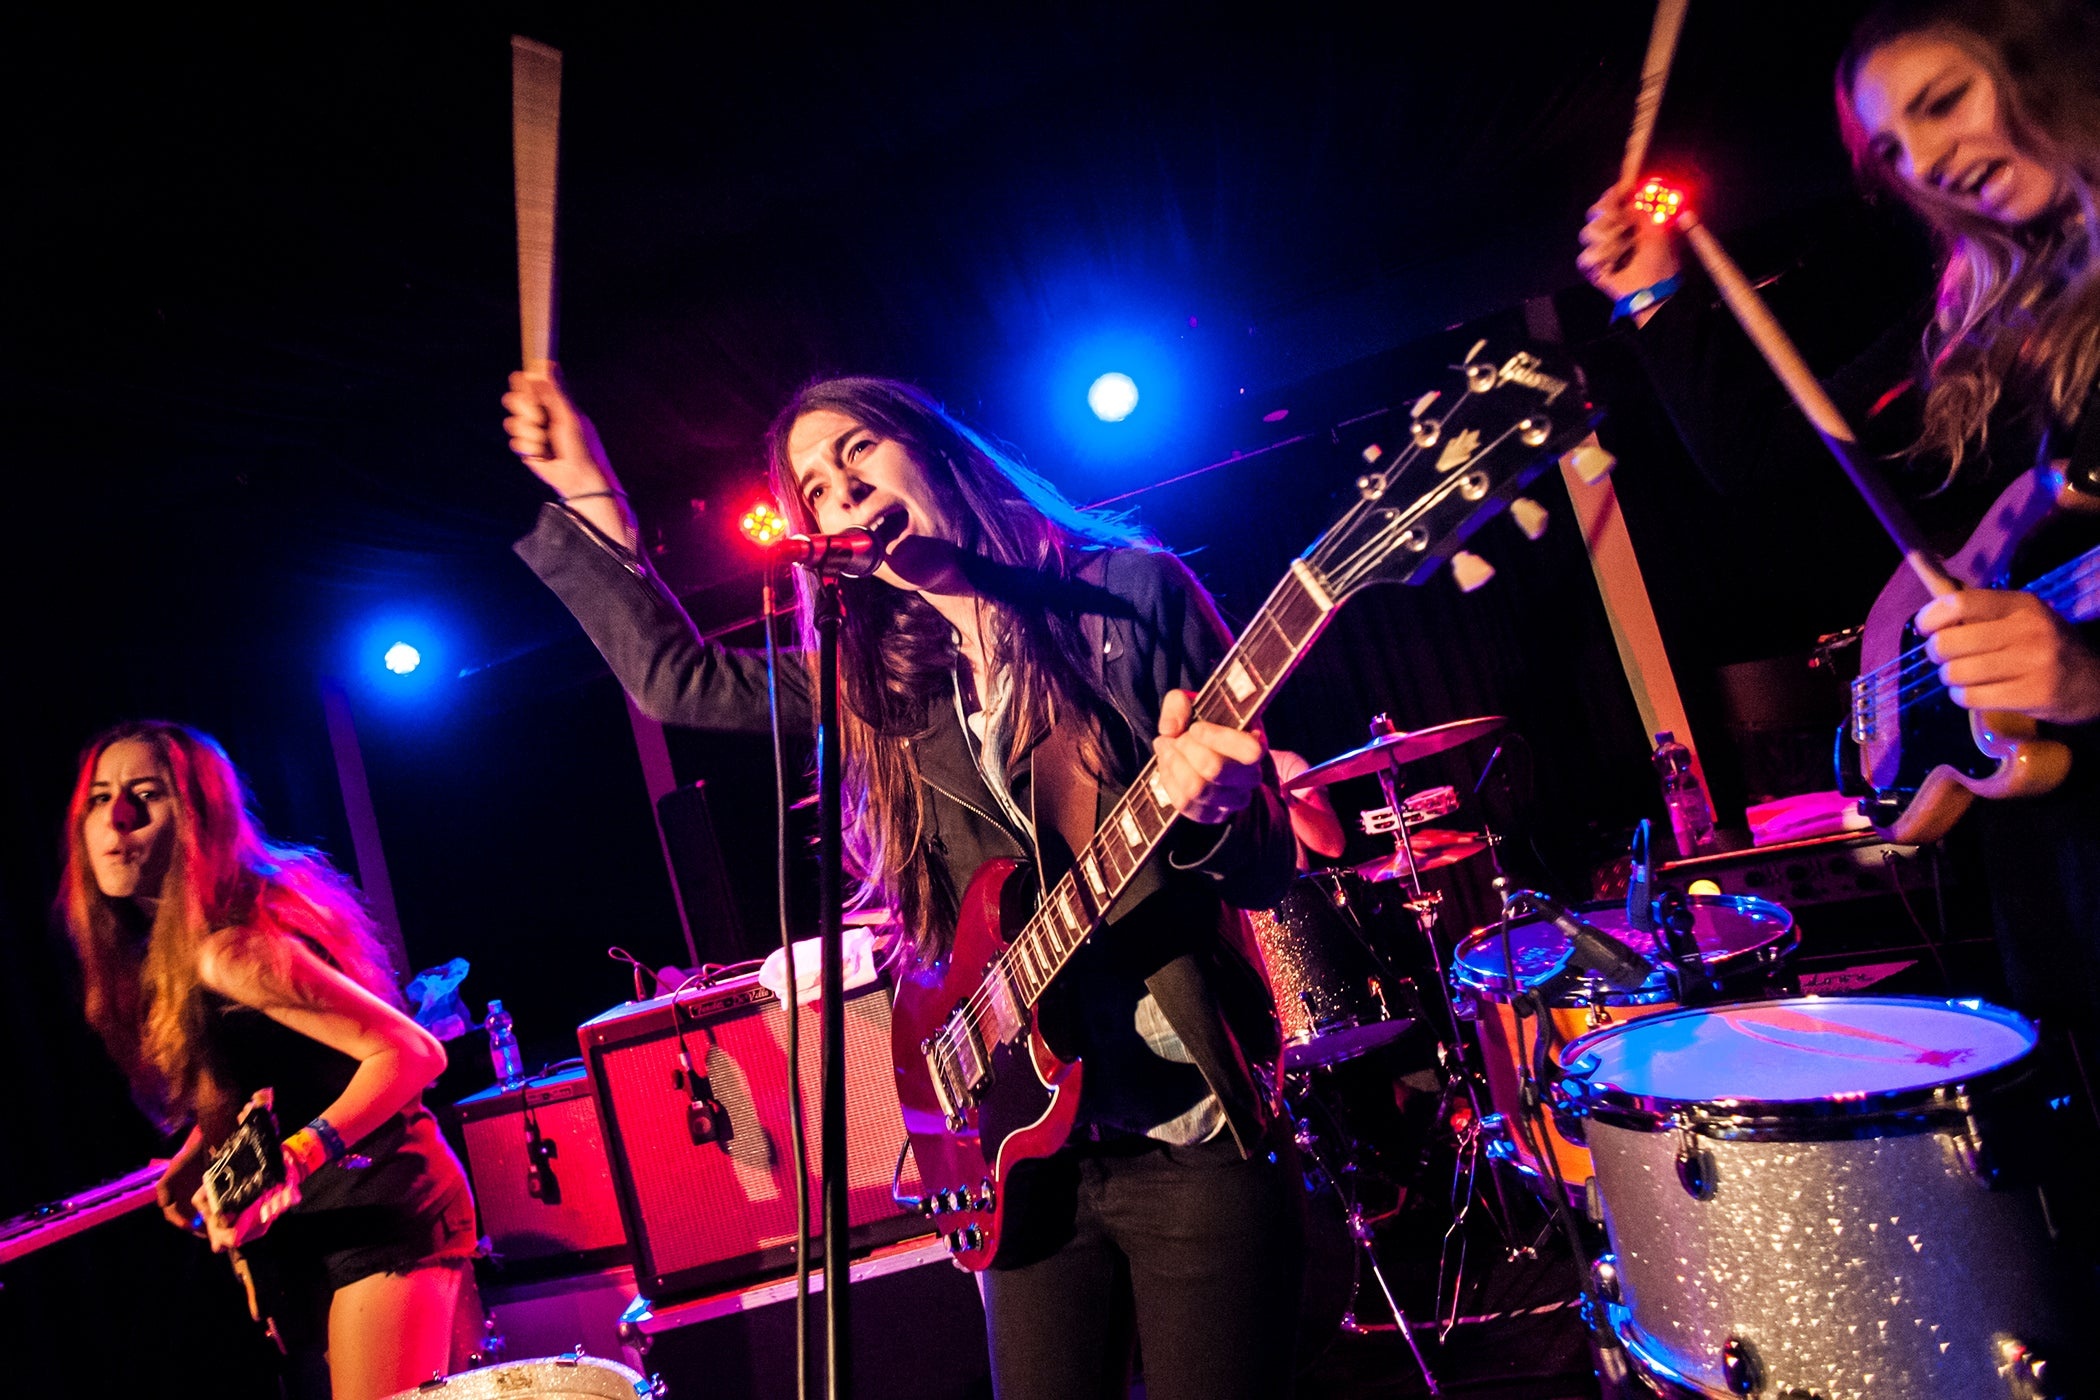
{"x":1634,"y":303}
{"x":593,"y":495}
{"x":330,"y":1138}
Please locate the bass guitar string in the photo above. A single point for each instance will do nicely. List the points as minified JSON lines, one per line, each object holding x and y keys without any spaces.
{"x":2044,"y":586}
{"x":1918,"y":669}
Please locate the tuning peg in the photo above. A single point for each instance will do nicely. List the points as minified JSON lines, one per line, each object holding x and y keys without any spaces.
{"x":1531,"y":517}
{"x":1470,"y":570}
{"x":1589,"y":461}
{"x":1371,"y":454}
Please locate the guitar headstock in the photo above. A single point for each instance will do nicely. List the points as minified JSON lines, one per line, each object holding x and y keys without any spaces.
{"x":1474,"y":442}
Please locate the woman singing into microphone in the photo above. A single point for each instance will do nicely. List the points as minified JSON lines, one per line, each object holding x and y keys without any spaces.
{"x":1012,"y":658}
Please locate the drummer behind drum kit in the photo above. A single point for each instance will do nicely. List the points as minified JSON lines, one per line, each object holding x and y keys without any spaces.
{"x":1799,"y":1196}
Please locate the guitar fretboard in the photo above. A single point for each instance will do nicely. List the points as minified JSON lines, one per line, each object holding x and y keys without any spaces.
{"x":1243,"y":683}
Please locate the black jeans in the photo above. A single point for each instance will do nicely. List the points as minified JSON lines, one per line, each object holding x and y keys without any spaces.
{"x":1192,"y":1252}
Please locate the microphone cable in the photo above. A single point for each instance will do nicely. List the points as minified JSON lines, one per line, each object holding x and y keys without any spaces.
{"x":798,"y":1143}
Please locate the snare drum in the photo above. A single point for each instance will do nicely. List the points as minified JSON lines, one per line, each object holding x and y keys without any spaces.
{"x":1744,"y":941}
{"x":570,"y":1376}
{"x":1801,"y":1199}
{"x":1332,"y":997}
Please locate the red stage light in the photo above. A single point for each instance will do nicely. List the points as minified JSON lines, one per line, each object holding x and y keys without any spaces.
{"x":1659,"y":200}
{"x":762,"y":524}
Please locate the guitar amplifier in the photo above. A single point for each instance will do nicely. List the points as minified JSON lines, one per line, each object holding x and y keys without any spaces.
{"x":537,"y":1160}
{"x":703,"y":1167}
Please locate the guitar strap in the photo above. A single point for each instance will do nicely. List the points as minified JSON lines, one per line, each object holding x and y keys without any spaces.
{"x":1064,"y":791}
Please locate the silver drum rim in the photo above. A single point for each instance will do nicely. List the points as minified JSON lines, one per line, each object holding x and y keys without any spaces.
{"x":1496,"y":985}
{"x":1919,"y":1109}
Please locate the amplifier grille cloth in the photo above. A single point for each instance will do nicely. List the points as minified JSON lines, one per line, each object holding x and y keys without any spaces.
{"x":722,"y":1200}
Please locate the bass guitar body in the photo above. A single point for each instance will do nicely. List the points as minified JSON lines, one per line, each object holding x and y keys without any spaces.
{"x":1922,"y":758}
{"x":972,"y":1156}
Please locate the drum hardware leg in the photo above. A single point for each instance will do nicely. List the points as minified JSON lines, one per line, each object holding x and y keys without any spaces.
{"x":1360,"y":1230}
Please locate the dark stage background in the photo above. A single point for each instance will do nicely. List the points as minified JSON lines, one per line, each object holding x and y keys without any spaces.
{"x":264,"y":304}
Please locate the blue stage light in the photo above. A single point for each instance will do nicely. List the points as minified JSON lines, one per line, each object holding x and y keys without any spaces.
{"x":1112,"y":397}
{"x":401,"y":658}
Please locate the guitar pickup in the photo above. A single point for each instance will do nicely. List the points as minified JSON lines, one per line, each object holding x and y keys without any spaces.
{"x":957,"y":1062}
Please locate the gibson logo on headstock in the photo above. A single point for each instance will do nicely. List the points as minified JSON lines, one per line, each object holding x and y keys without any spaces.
{"x":1523,"y":368}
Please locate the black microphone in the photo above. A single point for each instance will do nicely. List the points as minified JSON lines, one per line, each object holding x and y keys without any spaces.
{"x":854,"y":552}
{"x":851,"y":553}
{"x":1592,"y":949}
{"x":1640,"y":884}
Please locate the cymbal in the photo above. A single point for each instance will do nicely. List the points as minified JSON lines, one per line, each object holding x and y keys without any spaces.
{"x":1434,"y":848}
{"x":1390,"y":750}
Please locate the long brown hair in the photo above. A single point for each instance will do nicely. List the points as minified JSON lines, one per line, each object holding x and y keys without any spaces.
{"x":143,"y":995}
{"x":896,"y":653}
{"x":2018,"y":309}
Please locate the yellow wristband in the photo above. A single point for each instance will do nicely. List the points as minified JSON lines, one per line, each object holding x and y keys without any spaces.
{"x":307,"y":1149}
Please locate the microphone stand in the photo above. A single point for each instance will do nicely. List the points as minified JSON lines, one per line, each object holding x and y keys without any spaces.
{"x":830,"y":932}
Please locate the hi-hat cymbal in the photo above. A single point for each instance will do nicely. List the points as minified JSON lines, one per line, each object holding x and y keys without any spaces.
{"x":1434,"y":848}
{"x":1390,"y":750}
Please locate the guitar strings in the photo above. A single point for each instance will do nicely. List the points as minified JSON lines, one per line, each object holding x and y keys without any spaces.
{"x":1005,"y":964}
{"x":2047,"y":584}
{"x":1919,"y":670}
{"x":1343,"y":577}
{"x":1917,"y":678}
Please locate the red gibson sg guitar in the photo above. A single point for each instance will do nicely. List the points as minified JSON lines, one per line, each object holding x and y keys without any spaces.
{"x":983,"y":1094}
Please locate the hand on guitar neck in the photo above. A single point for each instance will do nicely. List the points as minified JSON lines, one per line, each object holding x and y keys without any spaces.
{"x":1210,"y":771}
{"x":2007,"y":650}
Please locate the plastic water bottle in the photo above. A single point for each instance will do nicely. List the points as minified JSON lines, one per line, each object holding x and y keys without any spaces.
{"x":503,"y":1048}
{"x":1691,"y":813}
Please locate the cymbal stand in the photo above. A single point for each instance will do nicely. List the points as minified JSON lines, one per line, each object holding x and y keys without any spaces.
{"x":1460,"y":1077}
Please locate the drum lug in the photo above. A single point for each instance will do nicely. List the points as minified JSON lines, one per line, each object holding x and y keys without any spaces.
{"x":1696,"y":1171}
{"x":1967,"y":1145}
{"x":2027,"y":1376}
{"x":1604,"y":1278}
{"x":1740,"y":1366}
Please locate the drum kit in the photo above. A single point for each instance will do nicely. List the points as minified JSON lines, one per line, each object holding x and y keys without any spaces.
{"x":1767,"y":1194}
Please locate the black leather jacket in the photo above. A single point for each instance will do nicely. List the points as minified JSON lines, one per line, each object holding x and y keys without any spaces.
{"x":1152,"y":628}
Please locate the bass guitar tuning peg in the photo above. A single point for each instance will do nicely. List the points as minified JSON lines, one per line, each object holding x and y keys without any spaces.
{"x":1531,"y":517}
{"x":1470,"y":570}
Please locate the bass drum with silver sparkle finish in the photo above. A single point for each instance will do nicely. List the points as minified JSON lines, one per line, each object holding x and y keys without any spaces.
{"x":1821,"y":1197}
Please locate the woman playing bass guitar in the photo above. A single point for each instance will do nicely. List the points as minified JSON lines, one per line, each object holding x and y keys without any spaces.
{"x":1983,"y":118}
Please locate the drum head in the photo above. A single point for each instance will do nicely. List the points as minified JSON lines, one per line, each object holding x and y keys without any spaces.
{"x":551,"y":1378}
{"x":1802,"y":1050}
{"x":1728,"y":928}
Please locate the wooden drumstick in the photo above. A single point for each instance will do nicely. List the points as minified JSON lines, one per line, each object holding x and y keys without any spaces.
{"x":1655,"y":74}
{"x":1806,"y":390}
{"x":535,"y":113}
